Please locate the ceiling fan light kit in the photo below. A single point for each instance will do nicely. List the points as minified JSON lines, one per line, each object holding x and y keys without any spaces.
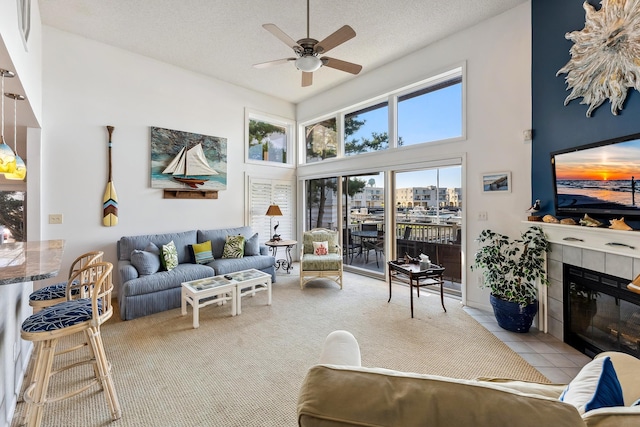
{"x":308,"y":49}
{"x":308,"y":64}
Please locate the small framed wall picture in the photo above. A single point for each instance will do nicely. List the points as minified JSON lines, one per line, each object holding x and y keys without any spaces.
{"x":496,"y":182}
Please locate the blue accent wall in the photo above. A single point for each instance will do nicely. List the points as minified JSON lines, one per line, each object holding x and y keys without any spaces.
{"x":555,"y":126}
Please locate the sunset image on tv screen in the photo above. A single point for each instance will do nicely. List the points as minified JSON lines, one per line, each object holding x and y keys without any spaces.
{"x":603,"y":177}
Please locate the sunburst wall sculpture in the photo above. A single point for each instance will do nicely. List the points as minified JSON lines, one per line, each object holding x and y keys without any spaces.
{"x":605,"y":56}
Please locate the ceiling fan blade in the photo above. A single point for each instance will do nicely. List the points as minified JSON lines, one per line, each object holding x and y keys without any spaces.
{"x":337,"y":38}
{"x":307,"y":79}
{"x":273,"y":29}
{"x":272,"y":63}
{"x":338,"y":64}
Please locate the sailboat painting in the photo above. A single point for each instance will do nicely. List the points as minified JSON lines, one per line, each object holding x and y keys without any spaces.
{"x":184,"y":160}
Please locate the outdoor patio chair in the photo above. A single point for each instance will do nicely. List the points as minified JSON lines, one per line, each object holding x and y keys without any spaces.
{"x":321,"y":256}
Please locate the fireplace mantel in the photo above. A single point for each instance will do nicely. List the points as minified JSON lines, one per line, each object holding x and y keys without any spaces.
{"x":618,"y":242}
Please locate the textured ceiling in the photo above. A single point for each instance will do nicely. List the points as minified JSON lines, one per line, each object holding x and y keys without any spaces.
{"x":224,"y":38}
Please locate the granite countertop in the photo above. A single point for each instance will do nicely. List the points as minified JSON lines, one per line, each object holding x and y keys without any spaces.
{"x":28,"y":261}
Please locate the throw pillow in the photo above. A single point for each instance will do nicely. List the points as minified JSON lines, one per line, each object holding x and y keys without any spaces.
{"x":320,"y":248}
{"x":233,"y":247}
{"x":169,"y":256}
{"x":201,"y":252}
{"x":252,"y":246}
{"x":145,"y":262}
{"x":595,"y":386}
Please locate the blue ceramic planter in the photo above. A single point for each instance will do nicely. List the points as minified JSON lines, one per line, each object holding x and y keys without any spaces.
{"x":511,"y":316}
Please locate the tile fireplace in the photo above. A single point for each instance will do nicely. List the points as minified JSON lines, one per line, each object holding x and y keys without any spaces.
{"x":604,"y":261}
{"x":600,"y":313}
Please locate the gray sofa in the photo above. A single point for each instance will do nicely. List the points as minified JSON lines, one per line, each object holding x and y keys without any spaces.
{"x":143,"y":294}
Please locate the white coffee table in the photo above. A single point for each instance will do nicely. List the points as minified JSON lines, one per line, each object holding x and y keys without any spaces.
{"x":211,"y":290}
{"x":250,"y":282}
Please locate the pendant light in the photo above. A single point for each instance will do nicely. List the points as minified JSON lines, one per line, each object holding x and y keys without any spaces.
{"x":21,"y":168}
{"x":7,"y":156}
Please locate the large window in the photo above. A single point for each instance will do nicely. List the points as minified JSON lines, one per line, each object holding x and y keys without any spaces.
{"x":321,"y":197}
{"x":433,"y":113}
{"x":366,"y":130}
{"x":268,"y":138}
{"x":321,"y":140}
{"x":428,"y":111}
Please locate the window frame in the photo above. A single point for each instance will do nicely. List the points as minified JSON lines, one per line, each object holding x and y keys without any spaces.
{"x":290,"y":135}
{"x":392,"y":99}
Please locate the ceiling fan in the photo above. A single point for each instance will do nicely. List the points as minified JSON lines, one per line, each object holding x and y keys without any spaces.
{"x":308,"y":51}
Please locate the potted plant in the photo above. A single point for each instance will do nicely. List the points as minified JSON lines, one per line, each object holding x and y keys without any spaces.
{"x":511,"y":268}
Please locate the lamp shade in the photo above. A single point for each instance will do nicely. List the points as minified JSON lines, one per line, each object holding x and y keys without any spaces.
{"x":274,"y":210}
{"x":7,"y":158}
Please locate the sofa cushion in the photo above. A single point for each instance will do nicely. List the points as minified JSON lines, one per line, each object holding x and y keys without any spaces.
{"x":595,"y":386}
{"x":234,"y":247}
{"x":230,"y":265}
{"x":169,"y":256}
{"x":331,"y":237}
{"x":127,"y":244}
{"x":252,"y":246}
{"x":163,"y":280}
{"x":218,"y":237}
{"x":201,"y":252}
{"x":330,"y":262}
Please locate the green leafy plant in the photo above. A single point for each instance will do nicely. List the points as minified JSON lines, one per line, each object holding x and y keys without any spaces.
{"x":511,"y":267}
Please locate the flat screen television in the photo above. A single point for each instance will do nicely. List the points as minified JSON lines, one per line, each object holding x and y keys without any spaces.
{"x":599,"y":179}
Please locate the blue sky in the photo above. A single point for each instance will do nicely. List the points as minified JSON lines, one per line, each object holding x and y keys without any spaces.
{"x":434,"y":116}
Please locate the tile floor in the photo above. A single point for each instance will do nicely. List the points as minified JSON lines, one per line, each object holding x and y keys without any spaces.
{"x":554,"y":359}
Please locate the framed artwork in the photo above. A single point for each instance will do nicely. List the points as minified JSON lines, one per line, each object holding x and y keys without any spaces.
{"x":268,"y":138}
{"x":184,"y":160}
{"x":496,"y":182}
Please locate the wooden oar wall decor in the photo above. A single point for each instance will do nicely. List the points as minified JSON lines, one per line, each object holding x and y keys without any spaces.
{"x":110,"y":199}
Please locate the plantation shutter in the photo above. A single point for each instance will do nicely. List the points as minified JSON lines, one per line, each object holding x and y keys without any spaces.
{"x":263,"y":193}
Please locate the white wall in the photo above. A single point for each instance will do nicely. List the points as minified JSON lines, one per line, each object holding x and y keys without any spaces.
{"x":497,"y":54}
{"x":87,"y":86}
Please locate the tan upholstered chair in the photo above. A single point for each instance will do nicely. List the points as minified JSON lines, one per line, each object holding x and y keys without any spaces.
{"x":314,"y":266}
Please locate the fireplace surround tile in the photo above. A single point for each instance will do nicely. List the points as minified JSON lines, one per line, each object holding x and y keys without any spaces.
{"x":572,"y":255}
{"x":618,"y":265}
{"x":593,"y":260}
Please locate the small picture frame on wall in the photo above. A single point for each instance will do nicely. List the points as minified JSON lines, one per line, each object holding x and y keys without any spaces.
{"x":496,"y":182}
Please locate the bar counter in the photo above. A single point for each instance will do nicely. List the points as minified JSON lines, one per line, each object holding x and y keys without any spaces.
{"x":29,"y":261}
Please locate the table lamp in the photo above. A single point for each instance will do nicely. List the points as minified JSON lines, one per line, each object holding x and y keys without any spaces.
{"x":274,"y":210}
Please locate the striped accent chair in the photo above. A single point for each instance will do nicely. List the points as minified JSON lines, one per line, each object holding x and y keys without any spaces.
{"x":316,"y":261}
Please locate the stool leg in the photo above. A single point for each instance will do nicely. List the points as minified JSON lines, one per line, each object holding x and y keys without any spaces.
{"x":28,"y":376}
{"x":105,"y":372}
{"x":36,"y":395}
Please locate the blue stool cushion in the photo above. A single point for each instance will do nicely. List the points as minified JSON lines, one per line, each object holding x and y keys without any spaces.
{"x":51,"y":292}
{"x":59,"y":316}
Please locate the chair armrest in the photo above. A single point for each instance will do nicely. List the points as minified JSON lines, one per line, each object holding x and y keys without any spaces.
{"x":264,"y":250}
{"x":127,"y":271}
{"x":619,"y":416}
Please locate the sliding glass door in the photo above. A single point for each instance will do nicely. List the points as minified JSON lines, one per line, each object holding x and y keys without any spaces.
{"x":428,"y":218}
{"x":363,"y":230}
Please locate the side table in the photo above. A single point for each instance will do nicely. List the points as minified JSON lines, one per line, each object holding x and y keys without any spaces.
{"x":431,"y":276}
{"x":285,"y":263}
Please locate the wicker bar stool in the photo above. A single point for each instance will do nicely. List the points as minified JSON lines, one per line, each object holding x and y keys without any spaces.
{"x":76,"y":315}
{"x":53,"y":294}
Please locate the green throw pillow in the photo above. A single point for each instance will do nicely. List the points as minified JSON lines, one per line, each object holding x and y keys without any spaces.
{"x":234,"y":247}
{"x":169,"y":256}
{"x":201,"y":252}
